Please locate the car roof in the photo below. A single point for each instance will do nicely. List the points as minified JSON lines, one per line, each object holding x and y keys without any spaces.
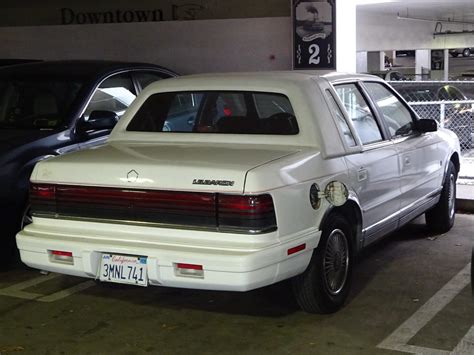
{"x":264,"y":79}
{"x":74,"y":68}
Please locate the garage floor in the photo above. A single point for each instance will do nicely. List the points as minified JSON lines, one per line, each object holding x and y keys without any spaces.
{"x":398,"y":302}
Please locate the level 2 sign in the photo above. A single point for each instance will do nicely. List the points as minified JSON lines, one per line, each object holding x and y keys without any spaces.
{"x":314,"y":34}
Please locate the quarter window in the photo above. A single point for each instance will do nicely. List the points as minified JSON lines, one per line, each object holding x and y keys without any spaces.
{"x":395,"y":115}
{"x":341,"y":121}
{"x":359,"y":112}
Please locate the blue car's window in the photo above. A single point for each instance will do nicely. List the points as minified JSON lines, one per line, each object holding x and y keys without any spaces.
{"x":216,"y":112}
{"x":36,"y":104}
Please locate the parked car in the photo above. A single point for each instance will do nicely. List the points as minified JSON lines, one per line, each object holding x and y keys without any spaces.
{"x":281,"y":176}
{"x":389,"y":75}
{"x":51,"y":108}
{"x":466,"y":52}
{"x":458,"y":115}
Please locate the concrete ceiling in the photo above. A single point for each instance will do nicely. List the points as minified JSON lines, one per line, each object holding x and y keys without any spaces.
{"x":457,"y":10}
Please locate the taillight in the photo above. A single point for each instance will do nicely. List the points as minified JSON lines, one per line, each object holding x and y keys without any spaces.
{"x":247,"y":213}
{"x":43,"y":191}
{"x":43,"y":198}
{"x":235,"y":213}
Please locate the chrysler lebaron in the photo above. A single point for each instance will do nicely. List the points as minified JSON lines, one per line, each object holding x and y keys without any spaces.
{"x":239,"y":181}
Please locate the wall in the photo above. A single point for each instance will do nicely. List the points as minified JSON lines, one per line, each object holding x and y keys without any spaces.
{"x":378,"y":32}
{"x":212,"y":45}
{"x":184,"y":46}
{"x":56,"y":12}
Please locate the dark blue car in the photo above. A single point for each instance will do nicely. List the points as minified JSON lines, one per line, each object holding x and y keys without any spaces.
{"x":52,"y":108}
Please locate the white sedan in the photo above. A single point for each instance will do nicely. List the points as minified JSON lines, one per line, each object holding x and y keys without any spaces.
{"x":238,"y":181}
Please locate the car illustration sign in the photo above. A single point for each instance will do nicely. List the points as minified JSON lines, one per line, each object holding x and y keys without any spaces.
{"x":314,"y":34}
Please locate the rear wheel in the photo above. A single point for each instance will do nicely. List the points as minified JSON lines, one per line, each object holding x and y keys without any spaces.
{"x":325,"y":284}
{"x":454,"y":54}
{"x":441,"y":217}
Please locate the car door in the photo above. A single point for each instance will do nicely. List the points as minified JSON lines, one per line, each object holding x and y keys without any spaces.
{"x":374,"y":171}
{"x":114,"y":94}
{"x":418,"y":154}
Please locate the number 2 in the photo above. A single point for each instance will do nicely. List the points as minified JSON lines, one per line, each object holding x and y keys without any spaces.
{"x":314,"y":51}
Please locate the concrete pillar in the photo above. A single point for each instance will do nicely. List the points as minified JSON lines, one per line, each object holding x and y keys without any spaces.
{"x":361,"y":62}
{"x":422,"y":61}
{"x":393,"y":56}
{"x":446,"y":65}
{"x":375,"y":61}
{"x":346,"y":36}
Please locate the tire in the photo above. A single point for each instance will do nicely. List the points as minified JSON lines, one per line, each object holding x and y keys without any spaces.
{"x":440,"y":218}
{"x":455,"y":54}
{"x":466,"y":52}
{"x":26,"y":216}
{"x":9,"y":253}
{"x":317,"y":290}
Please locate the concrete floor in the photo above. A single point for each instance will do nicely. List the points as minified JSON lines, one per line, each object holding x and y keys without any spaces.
{"x":393,"y":280}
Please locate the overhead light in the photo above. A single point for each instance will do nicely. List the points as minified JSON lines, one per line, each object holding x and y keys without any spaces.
{"x":372,"y":2}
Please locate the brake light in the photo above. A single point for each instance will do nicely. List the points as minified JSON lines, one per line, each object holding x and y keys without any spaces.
{"x":249,"y":213}
{"x":43,"y":191}
{"x":221,"y":212}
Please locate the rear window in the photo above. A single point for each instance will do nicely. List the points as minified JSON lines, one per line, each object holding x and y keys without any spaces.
{"x":234,"y":112}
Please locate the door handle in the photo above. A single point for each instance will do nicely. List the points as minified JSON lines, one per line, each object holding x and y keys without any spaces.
{"x":407,"y":160}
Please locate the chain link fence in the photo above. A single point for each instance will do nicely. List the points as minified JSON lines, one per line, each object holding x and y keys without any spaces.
{"x":452,"y":105}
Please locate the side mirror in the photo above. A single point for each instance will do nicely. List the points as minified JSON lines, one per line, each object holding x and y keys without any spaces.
{"x":426,"y":125}
{"x":99,"y":120}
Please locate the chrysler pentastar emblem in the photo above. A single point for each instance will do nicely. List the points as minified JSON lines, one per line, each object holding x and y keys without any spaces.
{"x":132,"y":176}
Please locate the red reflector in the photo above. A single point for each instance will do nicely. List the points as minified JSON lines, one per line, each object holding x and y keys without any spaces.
{"x":61,"y":253}
{"x":189,"y":266}
{"x":296,"y":249}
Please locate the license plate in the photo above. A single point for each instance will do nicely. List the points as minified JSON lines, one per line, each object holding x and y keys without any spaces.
{"x":123,"y":269}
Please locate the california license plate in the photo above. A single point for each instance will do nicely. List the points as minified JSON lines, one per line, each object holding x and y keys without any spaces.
{"x":124,"y":269}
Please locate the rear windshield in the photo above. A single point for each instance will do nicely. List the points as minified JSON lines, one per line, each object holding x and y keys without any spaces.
{"x":240,"y":112}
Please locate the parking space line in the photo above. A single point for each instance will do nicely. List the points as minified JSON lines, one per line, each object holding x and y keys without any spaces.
{"x":17,"y":290}
{"x":401,"y":336}
{"x":466,"y":345}
{"x":67,"y":292}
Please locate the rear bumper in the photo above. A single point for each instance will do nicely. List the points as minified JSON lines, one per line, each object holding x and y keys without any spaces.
{"x":240,"y":266}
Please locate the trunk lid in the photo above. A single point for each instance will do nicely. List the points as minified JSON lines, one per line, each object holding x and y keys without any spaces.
{"x":186,"y":167}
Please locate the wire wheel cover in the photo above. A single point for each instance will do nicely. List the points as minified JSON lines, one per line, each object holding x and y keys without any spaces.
{"x":336,"y":262}
{"x":451,"y":196}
